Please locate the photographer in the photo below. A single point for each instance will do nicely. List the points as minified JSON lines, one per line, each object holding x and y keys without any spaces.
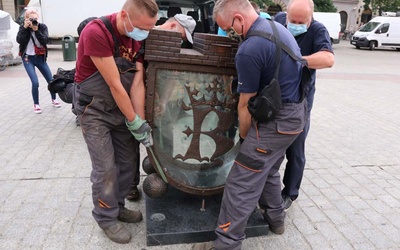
{"x":32,"y":38}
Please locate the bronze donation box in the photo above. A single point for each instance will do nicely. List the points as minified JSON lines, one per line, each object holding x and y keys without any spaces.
{"x":192,"y":110}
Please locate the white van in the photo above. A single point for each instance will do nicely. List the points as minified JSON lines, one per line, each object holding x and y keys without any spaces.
{"x":332,"y":23}
{"x":379,"y":32}
{"x":63,"y":17}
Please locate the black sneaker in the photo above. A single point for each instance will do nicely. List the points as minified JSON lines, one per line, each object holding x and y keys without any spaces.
{"x":287,"y":202}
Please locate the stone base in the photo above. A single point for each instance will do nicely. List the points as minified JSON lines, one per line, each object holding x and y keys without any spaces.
{"x":178,"y":218}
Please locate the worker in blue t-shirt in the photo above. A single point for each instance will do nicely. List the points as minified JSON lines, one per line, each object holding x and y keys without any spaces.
{"x":256,"y":8}
{"x":254,"y":177}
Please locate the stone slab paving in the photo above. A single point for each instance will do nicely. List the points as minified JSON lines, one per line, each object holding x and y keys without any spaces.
{"x":350,"y":196}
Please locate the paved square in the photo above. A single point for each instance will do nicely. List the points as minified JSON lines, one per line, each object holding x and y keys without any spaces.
{"x":350,"y":196}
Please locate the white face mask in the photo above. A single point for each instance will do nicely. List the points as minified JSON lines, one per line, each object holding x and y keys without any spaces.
{"x":136,"y":34}
{"x":297,"y":29}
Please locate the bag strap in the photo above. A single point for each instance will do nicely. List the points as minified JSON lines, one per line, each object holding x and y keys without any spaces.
{"x":33,"y":40}
{"x":276,"y":40}
{"x":280,"y":45}
{"x":108,"y":25}
{"x":277,"y":48}
{"x":141,"y":51}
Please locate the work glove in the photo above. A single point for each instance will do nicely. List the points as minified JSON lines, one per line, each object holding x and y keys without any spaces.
{"x":140,"y":129}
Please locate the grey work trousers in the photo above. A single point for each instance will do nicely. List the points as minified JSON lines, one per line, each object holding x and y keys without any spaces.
{"x":254,"y":177}
{"x":113,"y":150}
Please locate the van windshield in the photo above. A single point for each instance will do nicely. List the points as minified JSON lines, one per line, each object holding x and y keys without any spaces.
{"x":370,"y":26}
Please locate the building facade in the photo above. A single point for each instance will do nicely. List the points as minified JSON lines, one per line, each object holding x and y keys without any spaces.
{"x":13,"y":7}
{"x":352,"y":12}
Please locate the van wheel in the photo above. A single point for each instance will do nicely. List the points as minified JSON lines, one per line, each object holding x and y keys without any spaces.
{"x":372,"y":45}
{"x":357,"y":47}
{"x":398,"y":49}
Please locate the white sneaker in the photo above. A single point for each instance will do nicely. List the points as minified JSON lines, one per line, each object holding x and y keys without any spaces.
{"x":55,"y":103}
{"x":37,"y":109}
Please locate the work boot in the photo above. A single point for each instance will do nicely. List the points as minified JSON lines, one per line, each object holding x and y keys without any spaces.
{"x":118,"y":233}
{"x":134,"y":195}
{"x":203,"y":246}
{"x":275,"y":229}
{"x":129,"y":216}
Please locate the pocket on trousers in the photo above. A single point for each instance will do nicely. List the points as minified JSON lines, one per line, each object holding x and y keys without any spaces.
{"x":82,"y":101}
{"x":292,"y":119}
{"x":289,"y":127}
{"x":249,"y":162}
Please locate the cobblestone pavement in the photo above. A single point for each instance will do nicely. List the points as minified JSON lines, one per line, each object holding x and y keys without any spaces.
{"x":350,"y":196}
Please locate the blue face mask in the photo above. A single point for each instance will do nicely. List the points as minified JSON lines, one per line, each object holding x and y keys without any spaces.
{"x":297,"y":29}
{"x":136,"y":34}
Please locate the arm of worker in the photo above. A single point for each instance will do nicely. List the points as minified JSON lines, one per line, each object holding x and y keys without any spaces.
{"x":138,"y":127}
{"x":108,"y":69}
{"x":243,"y":114}
{"x":137,"y":91}
{"x":320,"y":60}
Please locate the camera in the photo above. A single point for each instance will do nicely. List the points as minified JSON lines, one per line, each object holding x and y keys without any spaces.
{"x":34,"y":21}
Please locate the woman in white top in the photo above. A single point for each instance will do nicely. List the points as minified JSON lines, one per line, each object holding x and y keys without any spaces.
{"x":33,"y":38}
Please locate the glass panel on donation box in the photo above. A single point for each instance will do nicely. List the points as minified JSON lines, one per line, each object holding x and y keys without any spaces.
{"x":194,"y":127}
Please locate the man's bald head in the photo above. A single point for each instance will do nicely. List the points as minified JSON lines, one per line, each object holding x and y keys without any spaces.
{"x":300,"y":11}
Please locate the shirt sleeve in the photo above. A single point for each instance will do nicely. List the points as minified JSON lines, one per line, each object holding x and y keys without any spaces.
{"x":249,"y":72}
{"x":97,"y":42}
{"x":280,"y":17}
{"x":322,"y":40}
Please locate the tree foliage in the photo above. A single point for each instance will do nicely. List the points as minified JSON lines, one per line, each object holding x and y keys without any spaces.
{"x":264,"y":3}
{"x":366,"y":4}
{"x":385,"y":5}
{"x":319,"y":5}
{"x":324,"y":6}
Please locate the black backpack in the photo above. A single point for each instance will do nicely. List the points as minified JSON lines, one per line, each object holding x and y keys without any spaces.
{"x":63,"y":78}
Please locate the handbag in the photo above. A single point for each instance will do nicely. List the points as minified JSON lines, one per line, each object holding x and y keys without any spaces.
{"x":38,"y":50}
{"x":264,"y":106}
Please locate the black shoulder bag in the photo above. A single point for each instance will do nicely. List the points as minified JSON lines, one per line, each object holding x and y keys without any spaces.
{"x":264,"y":106}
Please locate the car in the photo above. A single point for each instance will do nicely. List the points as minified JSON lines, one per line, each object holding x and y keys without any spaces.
{"x":200,"y":10}
{"x":381,"y":32}
{"x":9,"y":47}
